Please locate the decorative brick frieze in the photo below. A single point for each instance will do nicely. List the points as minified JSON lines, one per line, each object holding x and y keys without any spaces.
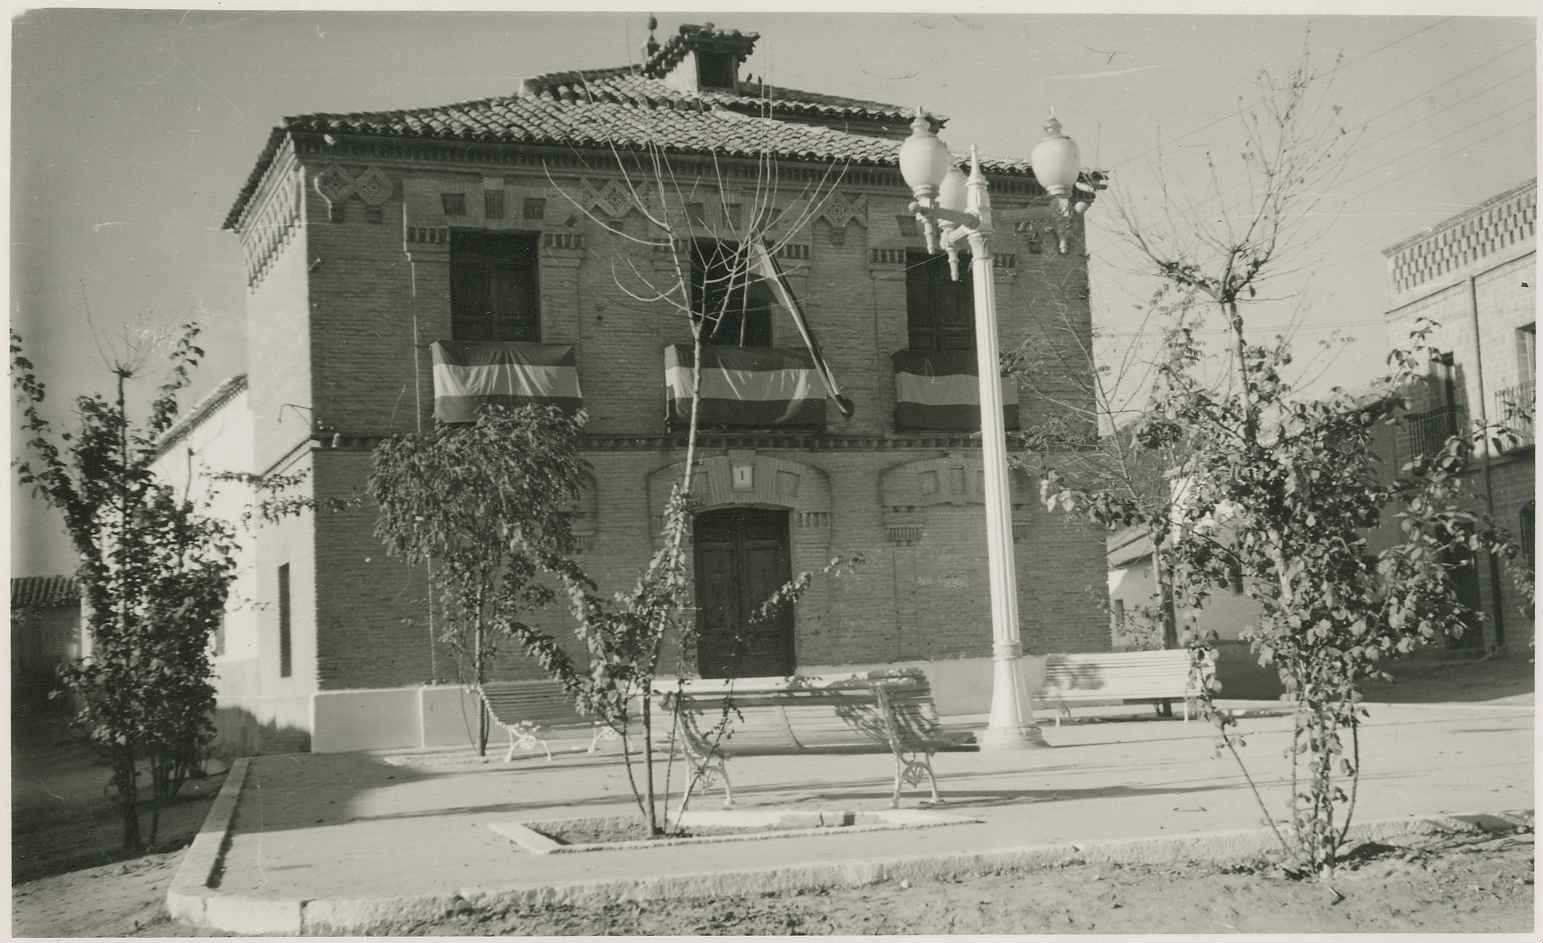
{"x":428,"y":235}
{"x":1489,"y":229}
{"x":266,"y":233}
{"x":336,"y":185}
{"x":908,"y":490}
{"x":746,"y":477}
{"x":570,"y":241}
{"x":904,"y":525}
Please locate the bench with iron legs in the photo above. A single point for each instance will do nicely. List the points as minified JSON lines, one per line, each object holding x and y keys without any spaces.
{"x":1155,"y":676}
{"x":528,"y":709}
{"x":881,"y":712}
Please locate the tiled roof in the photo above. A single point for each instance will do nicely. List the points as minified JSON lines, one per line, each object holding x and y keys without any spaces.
{"x":632,"y":107}
{"x":201,"y":410}
{"x":682,"y":123}
{"x":626,"y":85}
{"x":43,"y":591}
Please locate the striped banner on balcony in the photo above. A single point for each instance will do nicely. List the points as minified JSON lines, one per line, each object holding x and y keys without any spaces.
{"x":941,"y":390}
{"x":744,"y":386}
{"x":468,"y":375}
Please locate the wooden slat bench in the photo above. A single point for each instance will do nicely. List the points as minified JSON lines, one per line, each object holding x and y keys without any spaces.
{"x":1164,"y":675}
{"x":524,"y":709}
{"x":881,"y":712}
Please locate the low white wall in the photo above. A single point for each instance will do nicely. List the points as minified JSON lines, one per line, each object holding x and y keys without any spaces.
{"x":959,"y":685}
{"x":446,"y":715}
{"x":370,"y":719}
{"x":252,"y":724}
{"x":449,"y":715}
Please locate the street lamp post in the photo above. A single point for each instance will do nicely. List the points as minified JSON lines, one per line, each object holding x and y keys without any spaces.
{"x":954,"y":209}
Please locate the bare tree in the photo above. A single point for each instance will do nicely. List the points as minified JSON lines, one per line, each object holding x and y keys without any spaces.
{"x":716,"y":236}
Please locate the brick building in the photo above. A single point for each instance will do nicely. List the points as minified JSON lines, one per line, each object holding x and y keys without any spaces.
{"x":369,"y":238}
{"x":1474,"y":275}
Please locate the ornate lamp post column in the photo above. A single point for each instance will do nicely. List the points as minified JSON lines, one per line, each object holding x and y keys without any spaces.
{"x":954,"y":210}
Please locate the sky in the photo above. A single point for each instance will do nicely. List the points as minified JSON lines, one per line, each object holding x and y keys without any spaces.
{"x":132,"y":132}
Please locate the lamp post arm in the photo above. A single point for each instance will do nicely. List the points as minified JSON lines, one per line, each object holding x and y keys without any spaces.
{"x":939,"y":214}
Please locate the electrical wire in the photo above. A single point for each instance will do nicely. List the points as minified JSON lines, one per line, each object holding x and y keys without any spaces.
{"x":1229,"y":114}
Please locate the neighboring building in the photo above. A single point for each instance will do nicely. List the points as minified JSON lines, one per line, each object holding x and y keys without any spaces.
{"x":213,"y":438}
{"x":1474,"y":274}
{"x":1135,"y":621}
{"x":370,"y":237}
{"x":45,"y":634}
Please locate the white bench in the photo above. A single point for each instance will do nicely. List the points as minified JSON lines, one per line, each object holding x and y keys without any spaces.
{"x":1165,"y":675}
{"x":525,"y":709}
{"x":886,"y":711}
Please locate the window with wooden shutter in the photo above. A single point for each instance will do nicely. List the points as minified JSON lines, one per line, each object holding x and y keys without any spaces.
{"x":732,"y":308}
{"x":494,"y":294}
{"x":940,"y":312}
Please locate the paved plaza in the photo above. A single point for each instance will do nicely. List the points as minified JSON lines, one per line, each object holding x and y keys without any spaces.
{"x":395,"y":825}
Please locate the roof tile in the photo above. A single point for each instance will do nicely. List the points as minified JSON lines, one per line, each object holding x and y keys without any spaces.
{"x":632,"y":108}
{"x":43,"y":591}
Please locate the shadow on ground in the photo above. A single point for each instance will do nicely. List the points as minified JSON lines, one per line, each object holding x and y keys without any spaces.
{"x":1443,"y":680}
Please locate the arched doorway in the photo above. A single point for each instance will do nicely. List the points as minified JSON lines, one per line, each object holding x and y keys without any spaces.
{"x":741,"y":559}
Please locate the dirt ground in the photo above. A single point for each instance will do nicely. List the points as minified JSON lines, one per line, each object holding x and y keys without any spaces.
{"x":69,"y":874}
{"x":1467,"y":885}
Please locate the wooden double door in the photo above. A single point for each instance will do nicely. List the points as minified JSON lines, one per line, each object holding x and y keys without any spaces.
{"x":742,"y":559}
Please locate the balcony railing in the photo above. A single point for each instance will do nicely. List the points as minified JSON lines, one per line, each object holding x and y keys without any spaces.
{"x":1429,"y":431}
{"x":1513,"y":412}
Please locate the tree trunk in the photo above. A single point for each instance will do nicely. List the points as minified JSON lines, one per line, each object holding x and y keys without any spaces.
{"x":479,"y":671}
{"x":1167,"y":609}
{"x":128,"y":799}
{"x":648,"y":760}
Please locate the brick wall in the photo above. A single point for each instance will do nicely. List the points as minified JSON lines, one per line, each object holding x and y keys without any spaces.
{"x":376,"y":264}
{"x":1474,"y":275}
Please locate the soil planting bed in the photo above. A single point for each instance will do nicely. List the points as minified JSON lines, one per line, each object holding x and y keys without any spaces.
{"x":1434,"y":884}
{"x":598,"y":834}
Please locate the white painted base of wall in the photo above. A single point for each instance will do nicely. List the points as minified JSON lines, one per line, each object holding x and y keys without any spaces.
{"x":959,"y":685}
{"x":446,"y":715}
{"x":393,"y":718}
{"x":250,"y":724}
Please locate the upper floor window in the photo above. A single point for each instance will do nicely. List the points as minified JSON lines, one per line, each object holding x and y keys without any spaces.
{"x":732,"y":308}
{"x":494,"y":295}
{"x":940,"y":312}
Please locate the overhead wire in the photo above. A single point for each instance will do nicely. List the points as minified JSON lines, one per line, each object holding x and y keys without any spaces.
{"x":1229,"y":114}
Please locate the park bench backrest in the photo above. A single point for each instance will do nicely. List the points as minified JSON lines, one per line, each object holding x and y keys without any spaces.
{"x":1133,"y":675}
{"x":770,"y":715}
{"x":539,"y":702}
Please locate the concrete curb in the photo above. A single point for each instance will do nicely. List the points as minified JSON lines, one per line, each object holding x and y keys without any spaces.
{"x":195,"y":898}
{"x":191,"y":887}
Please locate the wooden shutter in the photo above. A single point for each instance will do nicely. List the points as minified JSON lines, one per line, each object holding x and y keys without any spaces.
{"x":745,"y":304}
{"x":494,"y":291}
{"x":940,"y":313}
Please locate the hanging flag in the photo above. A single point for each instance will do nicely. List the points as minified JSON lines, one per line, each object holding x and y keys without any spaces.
{"x":508,"y":373}
{"x":941,"y":390}
{"x":763,"y":264}
{"x":744,"y":386}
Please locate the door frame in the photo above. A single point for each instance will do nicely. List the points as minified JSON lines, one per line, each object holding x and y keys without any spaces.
{"x":789,"y":641}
